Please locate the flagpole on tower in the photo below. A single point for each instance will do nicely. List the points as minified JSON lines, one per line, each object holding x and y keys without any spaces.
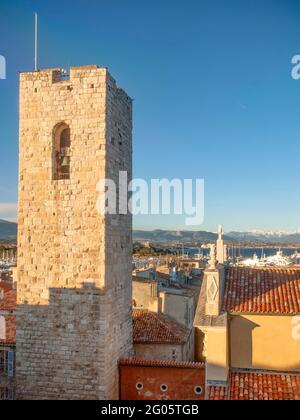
{"x":35,"y":41}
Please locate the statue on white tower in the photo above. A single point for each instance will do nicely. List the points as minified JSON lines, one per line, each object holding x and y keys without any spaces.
{"x":220,"y":231}
{"x":212,"y":260}
{"x":221,"y":248}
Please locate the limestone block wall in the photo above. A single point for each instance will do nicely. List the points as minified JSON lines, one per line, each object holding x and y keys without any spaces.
{"x":69,"y":256}
{"x":118,"y":236}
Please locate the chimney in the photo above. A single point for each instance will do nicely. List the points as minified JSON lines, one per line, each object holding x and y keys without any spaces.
{"x":1,"y":294}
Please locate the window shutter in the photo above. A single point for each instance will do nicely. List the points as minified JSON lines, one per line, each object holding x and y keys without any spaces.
{"x":10,"y":363}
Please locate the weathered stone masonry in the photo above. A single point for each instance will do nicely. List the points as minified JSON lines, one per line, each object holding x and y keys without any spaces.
{"x":74,"y":265}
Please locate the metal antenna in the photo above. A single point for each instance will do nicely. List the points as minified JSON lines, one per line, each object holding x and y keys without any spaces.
{"x":35,"y":42}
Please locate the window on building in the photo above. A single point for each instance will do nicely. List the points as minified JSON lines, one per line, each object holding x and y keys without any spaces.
{"x":61,"y":152}
{"x":7,"y":363}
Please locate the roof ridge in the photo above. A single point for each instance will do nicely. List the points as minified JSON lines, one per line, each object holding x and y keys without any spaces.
{"x":265,"y":371}
{"x":131,"y":361}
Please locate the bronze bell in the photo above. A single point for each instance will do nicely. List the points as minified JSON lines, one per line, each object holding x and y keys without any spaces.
{"x":65,"y":161}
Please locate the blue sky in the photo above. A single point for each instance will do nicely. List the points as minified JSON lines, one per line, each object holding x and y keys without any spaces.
{"x":212,"y":88}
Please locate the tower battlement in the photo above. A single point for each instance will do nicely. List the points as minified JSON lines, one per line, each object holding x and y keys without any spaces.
{"x":78,"y":75}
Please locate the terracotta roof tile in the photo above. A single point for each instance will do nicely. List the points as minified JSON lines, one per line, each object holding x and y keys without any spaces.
{"x":217,"y":393}
{"x":160,"y":363}
{"x":258,"y":386}
{"x":151,"y":327}
{"x":262,"y":290}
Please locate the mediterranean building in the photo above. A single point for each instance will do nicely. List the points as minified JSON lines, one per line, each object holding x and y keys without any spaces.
{"x":245,"y":332}
{"x":179,"y":303}
{"x":159,"y":337}
{"x":159,"y":380}
{"x":247,"y":340}
{"x":74,"y":317}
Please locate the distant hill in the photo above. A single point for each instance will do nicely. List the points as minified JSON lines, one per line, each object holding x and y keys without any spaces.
{"x":274,"y":238}
{"x":176,"y":236}
{"x":8,"y":230}
{"x":163,"y":236}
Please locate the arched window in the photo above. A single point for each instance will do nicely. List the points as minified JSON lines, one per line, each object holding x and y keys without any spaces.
{"x":61,"y":152}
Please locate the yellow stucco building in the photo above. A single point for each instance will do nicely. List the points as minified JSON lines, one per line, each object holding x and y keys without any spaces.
{"x":247,"y":323}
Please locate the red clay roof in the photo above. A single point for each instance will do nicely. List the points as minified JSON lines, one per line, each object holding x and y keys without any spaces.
{"x":217,"y":393}
{"x":262,"y":290}
{"x":160,"y":363}
{"x":258,"y":386}
{"x":151,"y":327}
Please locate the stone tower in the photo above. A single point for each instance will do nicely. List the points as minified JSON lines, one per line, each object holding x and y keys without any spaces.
{"x":74,"y":265}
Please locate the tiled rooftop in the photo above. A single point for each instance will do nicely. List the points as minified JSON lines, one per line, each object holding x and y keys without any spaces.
{"x":160,"y":363}
{"x":258,"y":386}
{"x":217,"y":393}
{"x":151,"y":327}
{"x":263,"y":290}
